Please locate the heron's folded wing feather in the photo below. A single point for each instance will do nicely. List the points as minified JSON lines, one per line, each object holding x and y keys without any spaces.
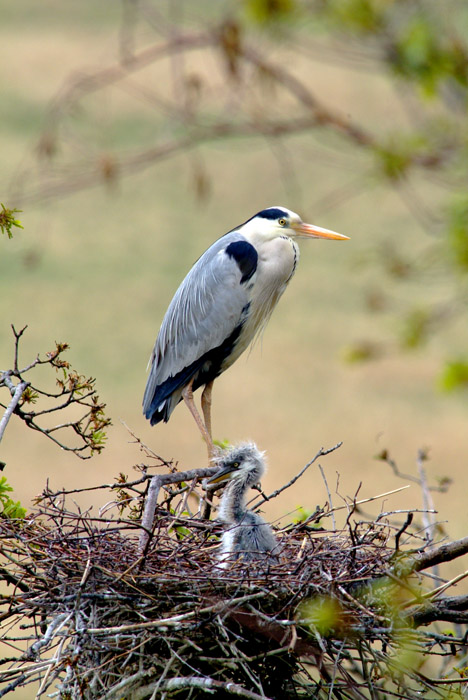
{"x":204,"y":311}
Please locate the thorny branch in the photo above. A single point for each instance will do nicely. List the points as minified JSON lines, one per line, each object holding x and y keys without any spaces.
{"x":34,"y":404}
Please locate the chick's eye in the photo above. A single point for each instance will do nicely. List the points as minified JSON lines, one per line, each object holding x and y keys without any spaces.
{"x":282,"y":222}
{"x":235,"y":464}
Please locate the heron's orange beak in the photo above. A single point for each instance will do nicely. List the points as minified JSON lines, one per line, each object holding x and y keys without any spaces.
{"x":309,"y":231}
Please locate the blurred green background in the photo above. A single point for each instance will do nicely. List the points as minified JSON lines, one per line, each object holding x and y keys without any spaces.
{"x":97,"y":268}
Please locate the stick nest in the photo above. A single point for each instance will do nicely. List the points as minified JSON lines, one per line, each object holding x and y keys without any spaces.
{"x":88,"y":615}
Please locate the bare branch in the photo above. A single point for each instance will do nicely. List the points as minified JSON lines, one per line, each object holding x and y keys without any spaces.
{"x":152,"y":497}
{"x":442,"y":553}
{"x":321,"y":453}
{"x":75,"y":390}
{"x":11,"y":406}
{"x":454,"y":609}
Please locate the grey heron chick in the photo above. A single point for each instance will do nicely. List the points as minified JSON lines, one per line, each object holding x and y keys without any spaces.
{"x":220,"y":307}
{"x":247,"y":535}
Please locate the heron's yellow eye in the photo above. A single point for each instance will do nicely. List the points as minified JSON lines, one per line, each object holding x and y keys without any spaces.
{"x":235,"y":465}
{"x":282,"y":222}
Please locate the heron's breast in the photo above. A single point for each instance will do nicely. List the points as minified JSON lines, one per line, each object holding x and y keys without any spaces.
{"x":277,"y":260}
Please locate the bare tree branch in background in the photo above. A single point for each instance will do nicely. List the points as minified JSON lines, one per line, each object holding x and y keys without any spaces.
{"x":245,"y":71}
{"x":249,"y":96}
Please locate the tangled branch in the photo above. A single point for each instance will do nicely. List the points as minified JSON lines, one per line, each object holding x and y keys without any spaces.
{"x":73,"y":390}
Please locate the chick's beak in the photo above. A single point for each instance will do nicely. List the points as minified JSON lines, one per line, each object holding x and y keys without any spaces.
{"x":310,"y":231}
{"x":223,"y":475}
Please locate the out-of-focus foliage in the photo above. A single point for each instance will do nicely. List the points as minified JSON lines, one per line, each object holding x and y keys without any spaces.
{"x":454,"y":375}
{"x":458,"y":232}
{"x":361,"y":352}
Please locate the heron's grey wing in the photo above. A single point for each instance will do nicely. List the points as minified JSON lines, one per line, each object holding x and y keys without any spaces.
{"x":203,"y":313}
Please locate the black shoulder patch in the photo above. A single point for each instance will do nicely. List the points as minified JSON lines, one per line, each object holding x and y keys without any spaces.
{"x":245,"y":256}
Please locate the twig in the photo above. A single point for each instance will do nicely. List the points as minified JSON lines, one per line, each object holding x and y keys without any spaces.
{"x":12,"y":405}
{"x":403,"y":528}
{"x":428,"y":503}
{"x":454,"y":609}
{"x":153,"y":491}
{"x":75,"y":390}
{"x":148,"y":451}
{"x":329,"y":496}
{"x":320,"y":453}
{"x":52,"y":630}
{"x":208,"y":685}
{"x":366,"y":500}
{"x":440,"y":589}
{"x":175,"y":620}
{"x":385,"y":457}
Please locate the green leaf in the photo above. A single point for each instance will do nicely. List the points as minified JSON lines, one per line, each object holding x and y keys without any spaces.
{"x":458,"y":232}
{"x":323,"y":613}
{"x":223,"y":444}
{"x":361,"y":16}
{"x":7,"y":220}
{"x":8,"y":507}
{"x":4,"y":486}
{"x":14,"y":510}
{"x":263,"y":11}
{"x":454,"y":375}
{"x":415,"y":329}
{"x":361,"y":351}
{"x":419,"y":55}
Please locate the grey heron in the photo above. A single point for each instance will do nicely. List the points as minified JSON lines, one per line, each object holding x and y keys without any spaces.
{"x":222,"y":304}
{"x":247,"y":535}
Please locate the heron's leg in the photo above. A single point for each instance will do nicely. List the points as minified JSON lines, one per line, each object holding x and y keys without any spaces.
{"x":206,"y":407}
{"x":187,"y":395}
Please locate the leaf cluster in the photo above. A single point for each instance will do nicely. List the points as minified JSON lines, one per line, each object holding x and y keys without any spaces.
{"x":8,"y":507}
{"x":8,"y":220}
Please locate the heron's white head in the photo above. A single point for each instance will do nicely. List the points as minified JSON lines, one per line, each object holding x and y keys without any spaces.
{"x":243,"y":463}
{"x":278,"y":221}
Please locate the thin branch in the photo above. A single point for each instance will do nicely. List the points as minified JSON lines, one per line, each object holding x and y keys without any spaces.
{"x":12,"y":406}
{"x":329,"y":496}
{"x":384,"y":456}
{"x":321,"y":453}
{"x":366,"y":500}
{"x":208,"y":685}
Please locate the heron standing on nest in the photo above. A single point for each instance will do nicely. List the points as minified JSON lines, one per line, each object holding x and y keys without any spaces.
{"x":247,"y":535}
{"x":222,"y":304}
